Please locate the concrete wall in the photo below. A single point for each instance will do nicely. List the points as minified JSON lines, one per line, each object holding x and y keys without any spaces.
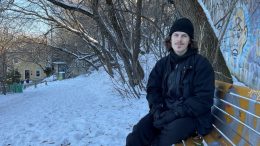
{"x":241,"y":42}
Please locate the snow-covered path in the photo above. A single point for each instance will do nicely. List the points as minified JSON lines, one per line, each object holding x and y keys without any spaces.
{"x":82,"y":111}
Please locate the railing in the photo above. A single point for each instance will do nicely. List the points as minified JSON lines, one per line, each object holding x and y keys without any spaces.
{"x":12,"y":88}
{"x":34,"y":83}
{"x":18,"y":87}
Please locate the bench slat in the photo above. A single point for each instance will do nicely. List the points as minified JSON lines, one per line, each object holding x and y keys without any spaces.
{"x":246,"y":117}
{"x":215,"y":138}
{"x":234,"y":130}
{"x":250,"y":104}
{"x":241,"y":108}
{"x":237,"y":117}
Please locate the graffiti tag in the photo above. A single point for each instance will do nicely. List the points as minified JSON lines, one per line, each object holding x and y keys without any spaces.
{"x":256,"y":93}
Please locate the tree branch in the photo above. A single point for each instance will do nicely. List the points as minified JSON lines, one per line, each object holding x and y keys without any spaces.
{"x":78,"y":8}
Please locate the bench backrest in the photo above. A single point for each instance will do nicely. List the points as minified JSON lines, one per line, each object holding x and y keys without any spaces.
{"x":237,"y":115}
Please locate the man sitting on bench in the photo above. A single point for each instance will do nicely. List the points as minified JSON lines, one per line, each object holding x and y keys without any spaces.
{"x":180,"y":93}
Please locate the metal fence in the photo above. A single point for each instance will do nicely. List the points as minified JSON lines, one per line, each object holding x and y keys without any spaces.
{"x":19,"y":87}
{"x":12,"y":88}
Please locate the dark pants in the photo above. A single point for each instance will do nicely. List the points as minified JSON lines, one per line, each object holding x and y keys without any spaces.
{"x":145,"y":134}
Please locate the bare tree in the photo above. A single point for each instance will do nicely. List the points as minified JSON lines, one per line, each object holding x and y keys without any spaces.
{"x":161,"y":16}
{"x":66,"y":41}
{"x":6,"y":42}
{"x":114,"y":31}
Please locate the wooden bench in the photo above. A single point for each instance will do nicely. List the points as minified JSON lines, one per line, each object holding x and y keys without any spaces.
{"x":236,"y":112}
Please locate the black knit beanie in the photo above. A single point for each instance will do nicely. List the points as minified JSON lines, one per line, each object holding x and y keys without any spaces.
{"x":183,"y":25}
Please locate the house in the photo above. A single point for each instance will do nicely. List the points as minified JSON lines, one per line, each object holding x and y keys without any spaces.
{"x":29,"y":57}
{"x":30,"y":70}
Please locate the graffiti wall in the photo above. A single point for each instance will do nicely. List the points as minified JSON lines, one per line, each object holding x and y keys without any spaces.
{"x":241,"y":41}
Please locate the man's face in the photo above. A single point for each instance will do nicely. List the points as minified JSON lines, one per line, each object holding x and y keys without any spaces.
{"x":180,"y":41}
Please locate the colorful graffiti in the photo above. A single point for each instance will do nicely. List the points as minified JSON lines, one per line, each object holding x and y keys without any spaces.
{"x":237,"y":36}
{"x":241,"y":43}
{"x":217,"y":9}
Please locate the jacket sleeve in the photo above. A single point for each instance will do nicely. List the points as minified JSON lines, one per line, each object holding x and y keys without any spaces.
{"x":154,"y":85}
{"x":203,"y":89}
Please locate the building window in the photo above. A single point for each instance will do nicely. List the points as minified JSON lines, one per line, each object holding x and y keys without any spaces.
{"x":38,"y":73}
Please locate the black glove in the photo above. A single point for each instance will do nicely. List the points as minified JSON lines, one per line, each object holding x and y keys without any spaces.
{"x":156,"y":110}
{"x":165,"y":118}
{"x":169,"y":116}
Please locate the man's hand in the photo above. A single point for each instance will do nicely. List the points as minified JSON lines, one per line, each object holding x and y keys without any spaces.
{"x":165,"y":118}
{"x":156,"y":110}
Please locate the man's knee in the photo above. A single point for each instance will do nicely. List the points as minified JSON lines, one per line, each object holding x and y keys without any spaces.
{"x":136,"y":137}
{"x":176,"y":131}
{"x":130,"y":140}
{"x":142,"y":133}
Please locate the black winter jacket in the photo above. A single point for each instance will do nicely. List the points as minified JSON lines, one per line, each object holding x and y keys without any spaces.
{"x":192,"y":86}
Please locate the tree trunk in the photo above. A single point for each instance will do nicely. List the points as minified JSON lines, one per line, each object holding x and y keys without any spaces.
{"x":137,"y":68}
{"x":204,"y":35}
{"x":3,"y":70}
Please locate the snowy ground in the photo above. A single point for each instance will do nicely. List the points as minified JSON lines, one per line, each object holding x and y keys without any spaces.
{"x":83,"y":111}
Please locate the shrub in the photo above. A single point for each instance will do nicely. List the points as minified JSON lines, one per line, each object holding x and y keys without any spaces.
{"x":13,"y":76}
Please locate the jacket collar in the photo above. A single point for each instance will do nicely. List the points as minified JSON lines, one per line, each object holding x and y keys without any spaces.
{"x":176,"y":58}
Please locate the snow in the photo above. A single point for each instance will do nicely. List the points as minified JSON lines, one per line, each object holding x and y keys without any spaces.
{"x":50,"y":78}
{"x":84,"y":111}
